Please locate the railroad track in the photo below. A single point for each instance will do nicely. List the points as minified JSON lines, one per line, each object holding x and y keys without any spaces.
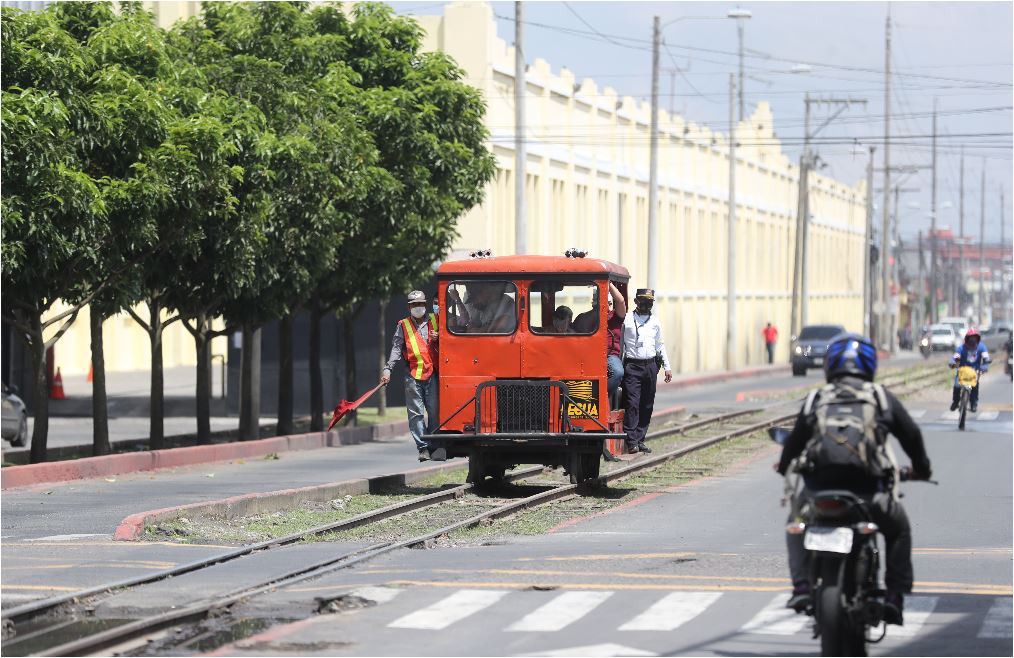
{"x":61,"y":610}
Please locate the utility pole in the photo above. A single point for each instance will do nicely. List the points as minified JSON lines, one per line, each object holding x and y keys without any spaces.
{"x":656,"y":38}
{"x":934,"y":307}
{"x":807,"y":163}
{"x":882,"y":321}
{"x":730,"y":336}
{"x":982,"y":237}
{"x":961,"y":233}
{"x":739,"y":32}
{"x":800,"y":219}
{"x":888,"y":250}
{"x":867,"y":265}
{"x":520,"y":157}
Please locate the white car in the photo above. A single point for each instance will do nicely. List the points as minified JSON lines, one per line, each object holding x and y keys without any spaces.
{"x":960,"y":326}
{"x":942,"y":337}
{"x":15,"y":418}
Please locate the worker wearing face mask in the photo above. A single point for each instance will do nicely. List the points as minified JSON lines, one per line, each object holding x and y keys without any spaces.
{"x":644,"y":355}
{"x":416,"y":339}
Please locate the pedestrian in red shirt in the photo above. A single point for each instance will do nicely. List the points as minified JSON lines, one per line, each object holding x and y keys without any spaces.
{"x":770,"y":338}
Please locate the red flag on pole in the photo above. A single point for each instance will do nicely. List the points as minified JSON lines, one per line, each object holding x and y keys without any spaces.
{"x":344,"y":406}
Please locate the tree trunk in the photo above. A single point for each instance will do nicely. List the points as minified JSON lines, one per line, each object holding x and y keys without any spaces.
{"x":202,"y":343}
{"x":285,"y":376}
{"x":156,"y":426}
{"x":351,"y":387}
{"x":100,"y":412}
{"x":382,"y":393}
{"x":40,"y":425}
{"x":316,"y":382}
{"x":250,"y":384}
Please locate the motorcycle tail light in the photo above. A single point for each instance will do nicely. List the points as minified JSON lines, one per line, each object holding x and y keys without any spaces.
{"x":829,"y":505}
{"x":795,"y":528}
{"x":866,"y":528}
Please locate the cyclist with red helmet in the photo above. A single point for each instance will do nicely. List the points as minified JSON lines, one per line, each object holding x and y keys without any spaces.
{"x":975,"y":355}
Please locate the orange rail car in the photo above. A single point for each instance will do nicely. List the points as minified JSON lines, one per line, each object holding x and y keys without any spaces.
{"x":522,"y":364}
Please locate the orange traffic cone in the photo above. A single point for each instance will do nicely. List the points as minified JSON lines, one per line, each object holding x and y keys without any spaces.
{"x":90,"y":375}
{"x":56,"y":392}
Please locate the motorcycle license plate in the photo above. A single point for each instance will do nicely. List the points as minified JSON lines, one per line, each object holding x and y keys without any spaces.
{"x":818,"y":361}
{"x":828,"y":540}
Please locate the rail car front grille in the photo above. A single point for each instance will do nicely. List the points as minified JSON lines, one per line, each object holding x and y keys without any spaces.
{"x":520,"y":406}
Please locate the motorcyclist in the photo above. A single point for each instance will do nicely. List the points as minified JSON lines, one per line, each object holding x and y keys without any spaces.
{"x":974,"y":354}
{"x":850,"y":361}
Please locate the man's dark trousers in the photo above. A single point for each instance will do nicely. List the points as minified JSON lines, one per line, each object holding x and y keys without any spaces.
{"x":771,"y":352}
{"x":639,"y":383}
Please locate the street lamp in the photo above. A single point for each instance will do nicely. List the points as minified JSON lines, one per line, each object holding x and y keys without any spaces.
{"x":740,"y":15}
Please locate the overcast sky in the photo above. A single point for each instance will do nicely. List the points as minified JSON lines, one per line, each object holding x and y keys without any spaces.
{"x":959,"y":53}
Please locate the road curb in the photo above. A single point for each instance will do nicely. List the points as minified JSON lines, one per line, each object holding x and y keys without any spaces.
{"x":132,"y":528}
{"x":13,"y":477}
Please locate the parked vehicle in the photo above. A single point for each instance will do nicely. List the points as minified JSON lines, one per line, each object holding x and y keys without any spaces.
{"x":15,"y":418}
{"x":995,"y":336}
{"x":514,"y":389}
{"x":959,"y":325}
{"x":844,"y":563}
{"x":942,"y":338}
{"x":809,"y":348}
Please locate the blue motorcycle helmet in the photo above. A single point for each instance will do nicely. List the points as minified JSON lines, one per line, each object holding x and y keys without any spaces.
{"x":851,"y":355}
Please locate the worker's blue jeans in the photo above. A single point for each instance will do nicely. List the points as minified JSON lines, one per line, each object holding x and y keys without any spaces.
{"x":614,"y":372}
{"x":421,"y":402}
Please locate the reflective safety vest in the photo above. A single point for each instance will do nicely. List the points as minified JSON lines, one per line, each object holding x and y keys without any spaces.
{"x":419,"y":354}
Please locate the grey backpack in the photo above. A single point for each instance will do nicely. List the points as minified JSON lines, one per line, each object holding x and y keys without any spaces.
{"x":847,"y":434}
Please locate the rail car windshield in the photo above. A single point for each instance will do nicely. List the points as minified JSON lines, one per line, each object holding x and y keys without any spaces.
{"x":562,"y":308}
{"x":490,"y":307}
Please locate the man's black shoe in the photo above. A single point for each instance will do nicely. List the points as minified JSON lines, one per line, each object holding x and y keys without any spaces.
{"x":643,"y":448}
{"x":424,"y":455}
{"x":973,"y":408}
{"x":800,"y":599}
{"x":632,"y":448}
{"x":954,"y":406}
{"x":894,"y":605}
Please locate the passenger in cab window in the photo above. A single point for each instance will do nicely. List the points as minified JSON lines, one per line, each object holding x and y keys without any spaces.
{"x":588,"y":321}
{"x":561,"y":320}
{"x":489,"y":308}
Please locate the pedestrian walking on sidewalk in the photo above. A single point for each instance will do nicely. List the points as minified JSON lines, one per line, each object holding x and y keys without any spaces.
{"x":644,"y":351}
{"x":770,"y":338}
{"x":415,"y":338}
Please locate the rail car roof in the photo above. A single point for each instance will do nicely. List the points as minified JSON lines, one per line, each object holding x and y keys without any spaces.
{"x":533,"y":265}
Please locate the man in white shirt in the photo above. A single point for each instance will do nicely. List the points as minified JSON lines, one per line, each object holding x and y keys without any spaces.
{"x":644,"y":352}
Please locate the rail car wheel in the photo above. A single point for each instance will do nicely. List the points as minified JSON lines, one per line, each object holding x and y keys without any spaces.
{"x":584,"y":467}
{"x":476,"y":468}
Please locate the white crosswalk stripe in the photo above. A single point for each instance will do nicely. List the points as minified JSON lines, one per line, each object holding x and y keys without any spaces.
{"x":917,"y":611}
{"x":451,"y":609}
{"x":671,"y":611}
{"x":988,"y":415}
{"x":377,"y":594}
{"x":776,"y":619}
{"x":997,"y":624}
{"x":917,"y":413}
{"x":949,"y":415}
{"x":560,"y":612}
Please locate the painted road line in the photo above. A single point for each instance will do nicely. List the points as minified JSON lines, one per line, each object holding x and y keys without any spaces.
{"x":916,"y":413}
{"x":446,"y":611}
{"x":997,"y":624}
{"x":776,"y":619}
{"x":988,"y":415}
{"x":66,"y":537}
{"x":595,"y":650}
{"x":563,"y":610}
{"x":917,"y":611}
{"x":949,"y":415}
{"x":672,"y":611}
{"x":376,"y":594}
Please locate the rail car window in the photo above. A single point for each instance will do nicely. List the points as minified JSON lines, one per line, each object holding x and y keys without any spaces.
{"x":482,"y":307}
{"x":557,"y":308}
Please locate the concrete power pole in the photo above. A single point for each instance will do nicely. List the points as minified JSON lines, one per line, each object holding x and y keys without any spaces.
{"x":739,"y":31}
{"x":520,"y":157}
{"x":961,"y":237}
{"x":656,"y":38}
{"x":882,"y":323}
{"x":982,"y":237}
{"x":804,"y":191}
{"x":867,"y":269}
{"x":934,"y":304}
{"x":801,"y":210}
{"x":730,"y":336}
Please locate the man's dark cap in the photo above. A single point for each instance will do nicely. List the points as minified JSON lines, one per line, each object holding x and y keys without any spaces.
{"x":645,"y":293}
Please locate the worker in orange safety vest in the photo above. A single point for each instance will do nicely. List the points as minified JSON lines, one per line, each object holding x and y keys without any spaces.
{"x":415,"y":339}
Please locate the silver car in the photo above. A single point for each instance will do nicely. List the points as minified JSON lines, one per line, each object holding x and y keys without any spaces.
{"x":15,"y":418}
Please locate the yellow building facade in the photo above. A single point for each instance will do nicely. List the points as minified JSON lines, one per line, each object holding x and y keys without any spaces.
{"x":586,"y":180}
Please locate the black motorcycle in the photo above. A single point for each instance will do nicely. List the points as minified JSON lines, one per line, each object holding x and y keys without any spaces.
{"x":925,"y":347}
{"x":844,"y":563}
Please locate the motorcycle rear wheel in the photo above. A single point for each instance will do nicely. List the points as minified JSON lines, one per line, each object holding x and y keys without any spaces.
{"x":837,"y":635}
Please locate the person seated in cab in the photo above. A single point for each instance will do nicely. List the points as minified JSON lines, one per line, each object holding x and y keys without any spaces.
{"x":973,"y":354}
{"x":488,"y":310}
{"x":849,"y":367}
{"x":562,"y":317}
